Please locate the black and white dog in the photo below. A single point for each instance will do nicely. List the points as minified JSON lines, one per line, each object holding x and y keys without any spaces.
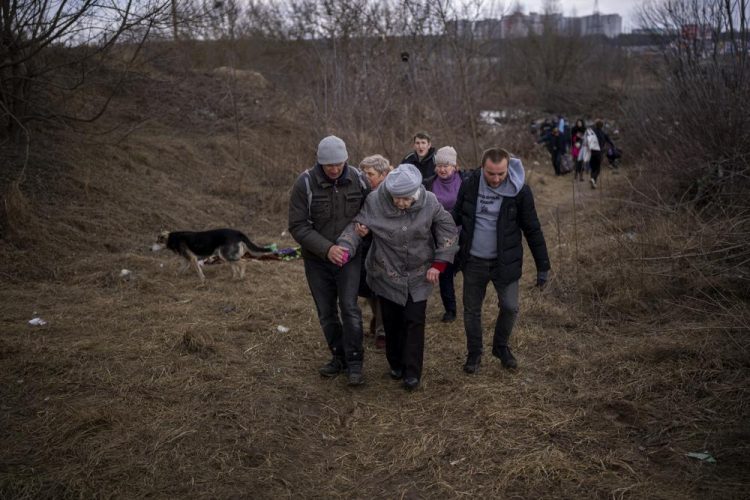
{"x":228,"y":245}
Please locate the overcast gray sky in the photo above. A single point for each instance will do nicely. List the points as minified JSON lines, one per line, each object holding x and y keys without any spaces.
{"x":626,"y":8}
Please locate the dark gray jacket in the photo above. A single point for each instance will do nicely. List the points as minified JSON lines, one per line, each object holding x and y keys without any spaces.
{"x":320,"y":209}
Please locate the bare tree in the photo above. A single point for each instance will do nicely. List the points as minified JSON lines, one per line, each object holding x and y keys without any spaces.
{"x":701,"y":106}
{"x":33,"y":60}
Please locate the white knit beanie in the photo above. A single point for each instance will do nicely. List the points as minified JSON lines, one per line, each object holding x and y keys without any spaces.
{"x":332,"y":151}
{"x":446,"y":156}
{"x":404,"y":181}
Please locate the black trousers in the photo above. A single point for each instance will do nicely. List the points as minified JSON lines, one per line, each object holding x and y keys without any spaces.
{"x":447,"y":288}
{"x":477,"y":275}
{"x":404,"y":335}
{"x":596,"y":164}
{"x":556,"y":161}
{"x":579,"y":167}
{"x":334,"y":290}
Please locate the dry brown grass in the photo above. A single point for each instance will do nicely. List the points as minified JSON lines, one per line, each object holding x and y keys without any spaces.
{"x":154,"y":386}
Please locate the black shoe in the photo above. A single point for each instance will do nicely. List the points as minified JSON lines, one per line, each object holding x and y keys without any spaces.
{"x":449,"y":316}
{"x":472,"y":363}
{"x":355,"y":378}
{"x":506,"y":357}
{"x":411,"y":383}
{"x":333,"y":367}
{"x":396,"y":374}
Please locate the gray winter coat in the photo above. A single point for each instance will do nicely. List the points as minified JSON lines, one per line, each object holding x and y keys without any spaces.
{"x":405,"y":243}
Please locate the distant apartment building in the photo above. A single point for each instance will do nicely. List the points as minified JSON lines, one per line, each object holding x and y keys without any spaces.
{"x":520,"y":25}
{"x":609,"y":25}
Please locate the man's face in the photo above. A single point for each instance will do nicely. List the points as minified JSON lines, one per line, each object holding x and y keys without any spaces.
{"x":375,"y":177}
{"x":333,"y":171}
{"x":421,"y":146}
{"x":495,"y":173}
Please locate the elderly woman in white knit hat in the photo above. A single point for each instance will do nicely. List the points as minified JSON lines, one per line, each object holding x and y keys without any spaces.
{"x":414,"y":239}
{"x":445,"y":185}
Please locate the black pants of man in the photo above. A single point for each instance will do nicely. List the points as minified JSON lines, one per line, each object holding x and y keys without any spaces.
{"x":404,"y":335}
{"x":557,"y":161}
{"x":596,"y":164}
{"x":579,"y":167}
{"x":477,"y":275}
{"x":447,"y":288}
{"x":335,"y":288}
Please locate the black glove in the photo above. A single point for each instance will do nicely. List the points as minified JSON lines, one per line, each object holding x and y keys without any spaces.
{"x":541,"y":279}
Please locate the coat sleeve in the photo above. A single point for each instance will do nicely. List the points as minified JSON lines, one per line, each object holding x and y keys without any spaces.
{"x":456,"y":212}
{"x":349,"y":238}
{"x":532,"y":230}
{"x":300,"y":226}
{"x":445,"y":233}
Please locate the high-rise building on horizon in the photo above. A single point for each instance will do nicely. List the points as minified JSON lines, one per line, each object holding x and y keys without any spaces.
{"x":519,"y":25}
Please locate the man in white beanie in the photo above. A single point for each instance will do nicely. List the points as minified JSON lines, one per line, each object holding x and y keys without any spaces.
{"x":323,"y":201}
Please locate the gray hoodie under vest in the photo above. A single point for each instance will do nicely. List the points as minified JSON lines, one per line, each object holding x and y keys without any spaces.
{"x":484,"y":244}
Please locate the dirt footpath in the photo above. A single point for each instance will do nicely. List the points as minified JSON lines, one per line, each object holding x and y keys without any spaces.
{"x":152,"y":386}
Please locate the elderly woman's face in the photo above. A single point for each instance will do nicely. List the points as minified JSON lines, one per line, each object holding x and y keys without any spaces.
{"x":374,"y":177}
{"x":402,"y":203}
{"x":444,"y":171}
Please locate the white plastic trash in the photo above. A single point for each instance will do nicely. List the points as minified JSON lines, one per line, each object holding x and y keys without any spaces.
{"x":282,"y":329}
{"x":37,"y":322}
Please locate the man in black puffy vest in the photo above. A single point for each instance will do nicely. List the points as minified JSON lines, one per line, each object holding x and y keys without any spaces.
{"x":494,"y":206}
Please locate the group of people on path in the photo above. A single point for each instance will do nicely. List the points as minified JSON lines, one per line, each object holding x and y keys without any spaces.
{"x":393,"y":234}
{"x":587,"y":146}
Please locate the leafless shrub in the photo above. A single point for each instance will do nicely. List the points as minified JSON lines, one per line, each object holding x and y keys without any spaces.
{"x":34,"y":60}
{"x":695,"y":125}
{"x":693,"y":138}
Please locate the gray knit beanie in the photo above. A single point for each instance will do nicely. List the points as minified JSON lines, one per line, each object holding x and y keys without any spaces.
{"x":404,"y":181}
{"x":446,"y":156}
{"x":332,"y":151}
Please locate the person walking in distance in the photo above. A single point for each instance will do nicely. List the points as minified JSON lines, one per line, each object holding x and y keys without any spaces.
{"x":323,"y":201}
{"x":602,"y":139}
{"x":493,"y":208}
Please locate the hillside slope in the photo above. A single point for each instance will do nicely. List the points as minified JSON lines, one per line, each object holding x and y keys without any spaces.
{"x":155,"y":386}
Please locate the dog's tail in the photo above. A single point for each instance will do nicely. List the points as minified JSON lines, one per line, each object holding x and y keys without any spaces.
{"x":253,"y":248}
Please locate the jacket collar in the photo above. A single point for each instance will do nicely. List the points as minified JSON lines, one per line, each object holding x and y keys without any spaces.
{"x":389,"y":209}
{"x":324,"y":181}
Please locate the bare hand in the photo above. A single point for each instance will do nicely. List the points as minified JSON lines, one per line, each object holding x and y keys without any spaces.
{"x":336,"y":255}
{"x":361,"y":229}
{"x":433,"y":275}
